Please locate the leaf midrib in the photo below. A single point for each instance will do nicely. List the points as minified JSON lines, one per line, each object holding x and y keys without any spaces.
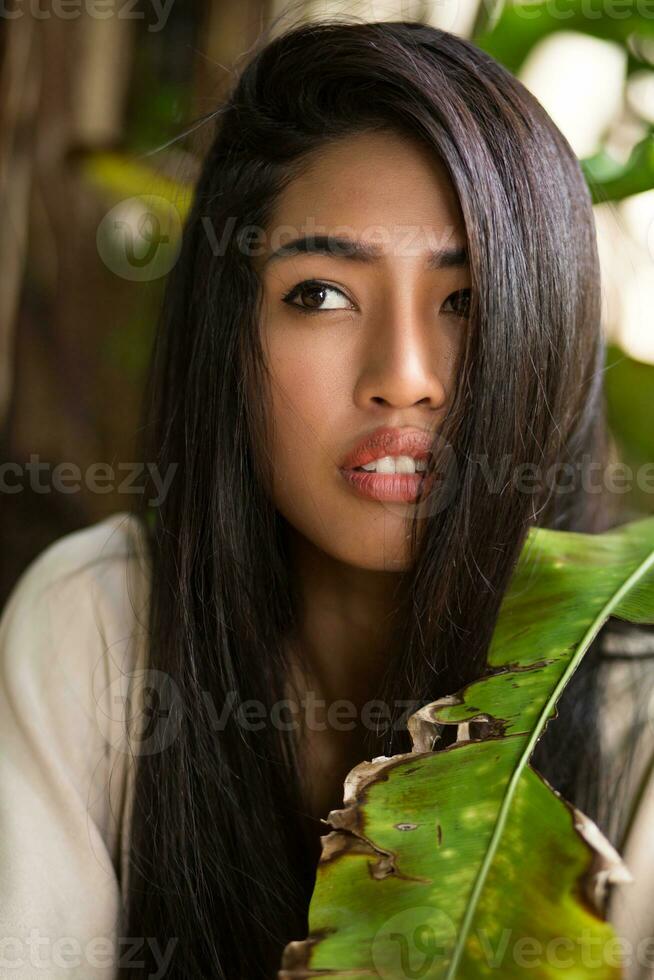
{"x":584,"y":643}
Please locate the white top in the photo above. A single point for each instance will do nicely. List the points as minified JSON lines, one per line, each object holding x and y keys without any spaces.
{"x":71,"y":649}
{"x":67,"y":647}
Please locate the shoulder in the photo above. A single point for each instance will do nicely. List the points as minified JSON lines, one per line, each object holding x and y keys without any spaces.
{"x":627,"y":651}
{"x":99,"y":552}
{"x":626,"y":707}
{"x":87,"y":582}
{"x":627,"y":696}
{"x":624,"y":640}
{"x":72,"y":635}
{"x":76,"y":609}
{"x":75,"y":623}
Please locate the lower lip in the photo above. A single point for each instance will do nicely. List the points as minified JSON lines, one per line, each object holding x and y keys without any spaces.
{"x":402,"y":487}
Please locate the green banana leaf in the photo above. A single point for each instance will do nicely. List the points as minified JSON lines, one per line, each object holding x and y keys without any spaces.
{"x":466,"y":862}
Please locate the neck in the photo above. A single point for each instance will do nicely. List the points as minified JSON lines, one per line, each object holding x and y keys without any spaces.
{"x":343,"y":621}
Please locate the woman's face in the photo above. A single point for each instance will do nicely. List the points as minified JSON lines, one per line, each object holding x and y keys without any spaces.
{"x":356,"y":343}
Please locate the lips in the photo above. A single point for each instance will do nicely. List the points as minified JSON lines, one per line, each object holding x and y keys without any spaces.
{"x":387,"y":441}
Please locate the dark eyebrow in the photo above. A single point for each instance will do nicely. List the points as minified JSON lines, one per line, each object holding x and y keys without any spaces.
{"x":358,"y":251}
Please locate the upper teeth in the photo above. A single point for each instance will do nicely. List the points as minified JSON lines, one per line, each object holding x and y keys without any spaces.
{"x":396,"y":464}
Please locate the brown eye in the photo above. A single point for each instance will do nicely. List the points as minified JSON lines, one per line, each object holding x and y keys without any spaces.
{"x":461,"y":302}
{"x":315,"y":293}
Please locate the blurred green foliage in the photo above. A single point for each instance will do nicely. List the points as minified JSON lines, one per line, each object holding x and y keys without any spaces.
{"x":509,"y":31}
{"x":629,"y":387}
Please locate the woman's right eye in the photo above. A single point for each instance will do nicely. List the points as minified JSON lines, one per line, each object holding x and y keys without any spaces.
{"x":315,"y":290}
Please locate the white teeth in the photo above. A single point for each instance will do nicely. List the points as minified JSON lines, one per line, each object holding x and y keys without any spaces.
{"x":396,"y":464}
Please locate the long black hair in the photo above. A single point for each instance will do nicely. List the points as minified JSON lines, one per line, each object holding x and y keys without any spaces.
{"x":218,"y":857}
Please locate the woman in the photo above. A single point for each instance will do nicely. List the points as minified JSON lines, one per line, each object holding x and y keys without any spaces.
{"x":391,"y":251}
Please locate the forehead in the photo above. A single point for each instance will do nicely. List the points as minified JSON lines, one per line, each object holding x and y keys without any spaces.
{"x":380,"y":187}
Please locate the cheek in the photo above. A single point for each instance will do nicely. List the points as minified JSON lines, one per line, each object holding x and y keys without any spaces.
{"x":307,"y":387}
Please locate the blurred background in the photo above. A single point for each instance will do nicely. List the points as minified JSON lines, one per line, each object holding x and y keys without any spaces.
{"x":97,"y":157}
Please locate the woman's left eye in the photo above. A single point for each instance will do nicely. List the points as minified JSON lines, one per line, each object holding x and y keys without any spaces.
{"x":463,"y":296}
{"x":316,"y":291}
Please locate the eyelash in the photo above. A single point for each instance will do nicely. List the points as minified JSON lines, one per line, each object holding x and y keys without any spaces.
{"x":296,"y":290}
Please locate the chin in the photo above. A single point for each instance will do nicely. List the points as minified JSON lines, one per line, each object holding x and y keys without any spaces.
{"x":381,"y":556}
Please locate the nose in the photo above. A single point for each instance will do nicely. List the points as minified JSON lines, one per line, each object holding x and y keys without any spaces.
{"x":405,"y":363}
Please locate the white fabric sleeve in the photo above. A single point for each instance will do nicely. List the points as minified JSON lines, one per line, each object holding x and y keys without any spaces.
{"x":66,"y":645}
{"x":628,"y":688}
